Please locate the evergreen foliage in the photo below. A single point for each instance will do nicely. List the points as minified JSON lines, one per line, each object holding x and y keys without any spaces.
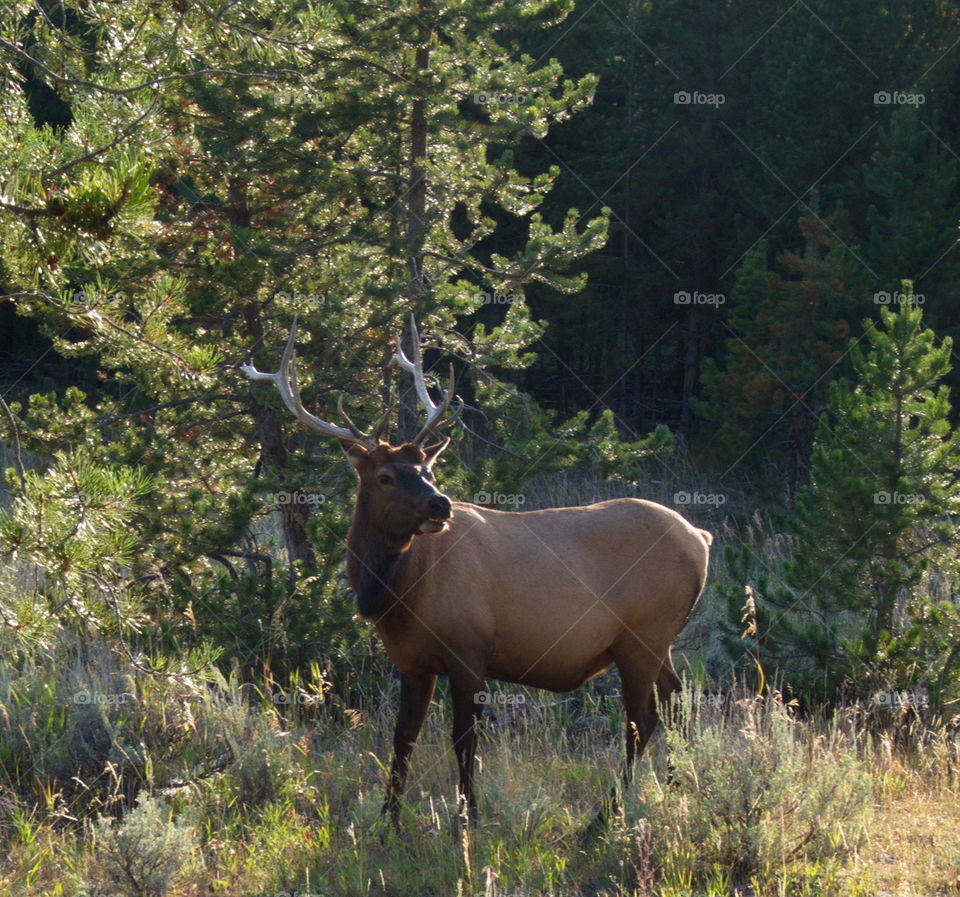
{"x":592,"y":211}
{"x":222,"y":172}
{"x":788,"y":338}
{"x":877,"y":517}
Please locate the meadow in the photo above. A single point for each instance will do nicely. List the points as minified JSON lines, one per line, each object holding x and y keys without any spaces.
{"x":119,"y":782}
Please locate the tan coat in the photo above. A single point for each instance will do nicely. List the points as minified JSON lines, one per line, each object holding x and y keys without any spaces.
{"x":546,"y":598}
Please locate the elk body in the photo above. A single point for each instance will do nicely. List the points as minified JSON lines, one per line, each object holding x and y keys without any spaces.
{"x":545,"y":598}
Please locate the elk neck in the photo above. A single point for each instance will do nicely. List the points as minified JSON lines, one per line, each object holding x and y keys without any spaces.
{"x":380,"y":566}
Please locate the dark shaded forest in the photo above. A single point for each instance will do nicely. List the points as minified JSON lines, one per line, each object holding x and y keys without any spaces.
{"x":771,"y":177}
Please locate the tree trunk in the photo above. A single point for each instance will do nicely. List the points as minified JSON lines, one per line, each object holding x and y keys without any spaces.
{"x":273,"y":451}
{"x":409,"y":415}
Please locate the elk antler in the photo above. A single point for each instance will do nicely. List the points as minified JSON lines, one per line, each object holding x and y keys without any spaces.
{"x":435,"y":412}
{"x":285,"y":380}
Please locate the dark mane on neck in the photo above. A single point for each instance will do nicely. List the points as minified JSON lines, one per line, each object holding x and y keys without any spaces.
{"x":375,"y":568}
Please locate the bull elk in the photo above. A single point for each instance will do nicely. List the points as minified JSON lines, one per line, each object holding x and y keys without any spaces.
{"x":546,"y":598}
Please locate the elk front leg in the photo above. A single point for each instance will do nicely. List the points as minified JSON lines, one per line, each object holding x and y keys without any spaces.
{"x":465,"y":687}
{"x":415,"y":695}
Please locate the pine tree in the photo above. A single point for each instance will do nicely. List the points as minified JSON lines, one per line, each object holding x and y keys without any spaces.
{"x":693,"y":188}
{"x":875,"y":517}
{"x":910,"y":184}
{"x":787,"y":337}
{"x":225,"y":170}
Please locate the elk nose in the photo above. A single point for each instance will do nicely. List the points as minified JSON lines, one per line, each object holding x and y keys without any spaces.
{"x":439,"y":506}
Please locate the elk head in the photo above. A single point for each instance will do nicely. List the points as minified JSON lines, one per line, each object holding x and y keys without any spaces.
{"x":397,"y":497}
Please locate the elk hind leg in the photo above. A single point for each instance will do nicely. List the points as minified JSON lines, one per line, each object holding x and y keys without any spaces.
{"x":638,"y":675}
{"x":668,"y":685}
{"x":640,"y":705}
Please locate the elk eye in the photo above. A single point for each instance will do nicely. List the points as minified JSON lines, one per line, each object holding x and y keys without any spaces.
{"x":385,"y":479}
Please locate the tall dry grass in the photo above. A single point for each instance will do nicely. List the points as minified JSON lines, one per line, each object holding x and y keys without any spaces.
{"x":242,"y":793}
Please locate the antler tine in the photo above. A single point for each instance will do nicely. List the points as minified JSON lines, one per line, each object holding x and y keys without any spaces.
{"x":415,"y":367}
{"x":285,"y":380}
{"x":353,"y":427}
{"x":384,"y":420}
{"x":434,"y":411}
{"x":435,"y":424}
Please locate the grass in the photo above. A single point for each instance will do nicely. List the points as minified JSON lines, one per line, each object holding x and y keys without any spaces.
{"x":248,"y":800}
{"x":118,"y":783}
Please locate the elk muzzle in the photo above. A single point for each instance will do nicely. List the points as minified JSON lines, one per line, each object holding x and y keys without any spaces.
{"x":439,"y":512}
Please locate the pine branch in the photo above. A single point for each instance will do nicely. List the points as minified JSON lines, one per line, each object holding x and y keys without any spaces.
{"x":15,"y":439}
{"x":74,"y":81}
{"x":92,"y":154}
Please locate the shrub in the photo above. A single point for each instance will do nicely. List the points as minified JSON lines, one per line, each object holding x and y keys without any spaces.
{"x":751,"y":797}
{"x":143,"y":854}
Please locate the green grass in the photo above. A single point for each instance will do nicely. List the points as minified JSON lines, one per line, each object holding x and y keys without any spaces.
{"x":196,"y":784}
{"x":254,"y":801}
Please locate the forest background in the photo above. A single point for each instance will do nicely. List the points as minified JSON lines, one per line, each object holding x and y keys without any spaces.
{"x":699,"y":252}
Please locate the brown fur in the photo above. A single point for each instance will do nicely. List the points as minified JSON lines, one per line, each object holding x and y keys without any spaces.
{"x":541,"y":598}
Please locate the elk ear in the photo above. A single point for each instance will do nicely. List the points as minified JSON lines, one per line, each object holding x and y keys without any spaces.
{"x":356,"y":453}
{"x":431,"y":453}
